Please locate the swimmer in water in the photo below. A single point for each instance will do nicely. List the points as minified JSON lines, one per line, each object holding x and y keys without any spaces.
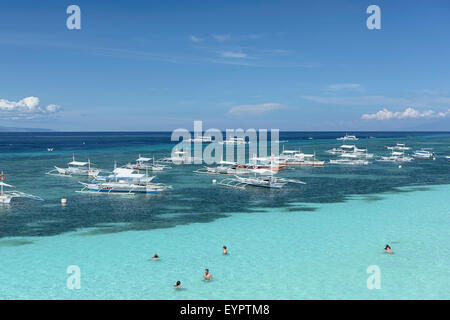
{"x":225,"y":251}
{"x":388,"y":249}
{"x":207,"y":276}
{"x":178,"y":285}
{"x":155,"y":257}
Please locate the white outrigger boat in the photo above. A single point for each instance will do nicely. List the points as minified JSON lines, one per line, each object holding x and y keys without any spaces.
{"x":398,"y":146}
{"x":396,"y":156}
{"x":7,"y":196}
{"x":348,"y":138}
{"x":76,"y":168}
{"x":224,"y":167}
{"x":143,"y":163}
{"x":351,"y":151}
{"x":200,"y":139}
{"x":234,"y":141}
{"x":351,"y":162}
{"x":180,"y":157}
{"x":265,"y":182}
{"x":263,"y":165}
{"x":298,"y":158}
{"x":423,"y":154}
{"x":123,"y":181}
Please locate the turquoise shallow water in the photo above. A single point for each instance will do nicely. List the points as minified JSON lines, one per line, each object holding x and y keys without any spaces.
{"x":277,"y":253}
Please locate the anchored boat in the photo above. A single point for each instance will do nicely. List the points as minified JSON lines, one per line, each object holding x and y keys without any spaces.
{"x":298,"y":158}
{"x":423,"y":154}
{"x":234,"y":141}
{"x":351,"y":162}
{"x":351,"y":151}
{"x":180,"y":157}
{"x":7,"y":196}
{"x":348,"y":138}
{"x":265,"y":182}
{"x":396,"y":156}
{"x":225,"y":167}
{"x":77,"y":168}
{"x":143,"y":163}
{"x":123,"y":180}
{"x":398,"y":146}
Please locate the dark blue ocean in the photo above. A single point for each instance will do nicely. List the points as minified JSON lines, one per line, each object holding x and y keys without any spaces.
{"x":25,"y":160}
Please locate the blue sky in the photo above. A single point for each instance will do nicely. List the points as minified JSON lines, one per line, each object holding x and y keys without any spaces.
{"x":159,"y":65}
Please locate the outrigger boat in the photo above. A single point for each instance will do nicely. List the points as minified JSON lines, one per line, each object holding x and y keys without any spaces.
{"x":396,"y":156}
{"x":351,"y":151}
{"x":348,"y":137}
{"x":265,"y":182}
{"x":298,"y":158}
{"x":75,"y":168}
{"x":200,"y":139}
{"x":351,"y":162}
{"x":398,"y":146}
{"x":122,"y":181}
{"x":143,"y":163}
{"x":7,"y":196}
{"x":263,"y":164}
{"x":234,"y":141}
{"x":225,"y":167}
{"x":180,"y":157}
{"x":424,"y":154}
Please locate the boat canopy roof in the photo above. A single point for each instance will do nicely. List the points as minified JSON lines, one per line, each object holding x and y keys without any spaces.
{"x":78,"y":163}
{"x":127,"y":173}
{"x":143,"y":159}
{"x":348,"y":146}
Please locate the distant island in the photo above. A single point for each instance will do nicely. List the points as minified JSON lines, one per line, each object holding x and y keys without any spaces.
{"x":13,"y":129}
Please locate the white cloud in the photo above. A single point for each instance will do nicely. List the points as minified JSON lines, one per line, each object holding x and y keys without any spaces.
{"x":408,"y":113}
{"x":221,"y":37}
{"x":231,"y":54}
{"x":254,"y":109}
{"x":27,"y":108}
{"x":195,"y":39}
{"x":343,"y":86}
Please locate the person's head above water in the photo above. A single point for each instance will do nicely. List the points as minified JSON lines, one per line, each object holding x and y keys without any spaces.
{"x":225,"y":247}
{"x":206,"y":270}
{"x":178,"y":284}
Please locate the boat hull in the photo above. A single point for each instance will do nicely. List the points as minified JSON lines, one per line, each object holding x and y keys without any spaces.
{"x":4,"y":199}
